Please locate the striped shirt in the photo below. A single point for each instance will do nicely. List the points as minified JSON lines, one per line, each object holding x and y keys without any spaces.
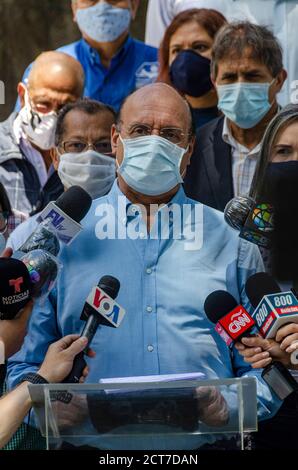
{"x":244,"y":162}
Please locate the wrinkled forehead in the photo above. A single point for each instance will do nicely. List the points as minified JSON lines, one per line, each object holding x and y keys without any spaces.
{"x":158,"y":109}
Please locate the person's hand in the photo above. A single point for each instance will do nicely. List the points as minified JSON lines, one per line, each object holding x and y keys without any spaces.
{"x":287,"y":336}
{"x":260,"y":352}
{"x":71,"y":414}
{"x":13,"y":332}
{"x":60,"y":356}
{"x":7,"y":253}
{"x":212,"y":406}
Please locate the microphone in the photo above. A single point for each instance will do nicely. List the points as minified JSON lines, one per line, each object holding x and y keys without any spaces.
{"x":58,"y":221}
{"x":100,"y":309}
{"x":231,"y":319}
{"x":15,"y":287}
{"x":273,"y":309}
{"x":253,"y":220}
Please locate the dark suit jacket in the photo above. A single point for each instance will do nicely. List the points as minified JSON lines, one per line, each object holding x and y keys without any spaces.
{"x":209,"y":175}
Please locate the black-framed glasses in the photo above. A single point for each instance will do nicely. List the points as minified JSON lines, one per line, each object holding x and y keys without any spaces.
{"x":172,"y":134}
{"x":78,"y":146}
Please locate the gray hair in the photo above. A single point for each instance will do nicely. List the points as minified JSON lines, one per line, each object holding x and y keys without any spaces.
{"x":283,"y":119}
{"x":233,"y":38}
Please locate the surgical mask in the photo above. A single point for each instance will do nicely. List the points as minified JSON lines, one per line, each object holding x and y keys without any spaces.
{"x":151,"y":164}
{"x":190,"y":73}
{"x":244,"y":103}
{"x":90,"y":170}
{"x":39,"y":128}
{"x":103,"y":22}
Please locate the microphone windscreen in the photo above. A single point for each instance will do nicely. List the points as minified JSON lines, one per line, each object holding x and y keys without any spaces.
{"x":218,"y":304}
{"x":258,"y":285}
{"x":237,"y":210}
{"x":15,"y":287}
{"x":75,"y":203}
{"x":110,"y":285}
{"x":43,"y":271}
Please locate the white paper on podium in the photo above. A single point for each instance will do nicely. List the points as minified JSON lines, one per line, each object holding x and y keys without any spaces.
{"x":151,"y":379}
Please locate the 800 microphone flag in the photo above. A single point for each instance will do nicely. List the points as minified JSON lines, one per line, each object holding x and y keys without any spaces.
{"x":273,"y":308}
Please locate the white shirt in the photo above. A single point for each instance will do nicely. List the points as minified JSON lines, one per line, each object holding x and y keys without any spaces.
{"x":244,"y":162}
{"x":281,"y":16}
{"x":32,"y":155}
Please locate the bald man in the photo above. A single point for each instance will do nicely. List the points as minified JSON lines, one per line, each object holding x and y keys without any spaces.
{"x":169,"y":253}
{"x":26,"y":138}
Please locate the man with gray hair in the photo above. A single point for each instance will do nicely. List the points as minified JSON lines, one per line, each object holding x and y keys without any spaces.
{"x":248,"y":73}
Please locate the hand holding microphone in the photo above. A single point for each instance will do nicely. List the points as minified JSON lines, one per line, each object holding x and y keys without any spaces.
{"x":99,"y":309}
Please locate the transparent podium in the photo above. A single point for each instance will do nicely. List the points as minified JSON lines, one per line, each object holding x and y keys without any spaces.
{"x":181,"y":415}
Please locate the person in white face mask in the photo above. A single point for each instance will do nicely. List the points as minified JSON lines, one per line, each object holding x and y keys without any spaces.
{"x":82,"y":154}
{"x":27,"y":137}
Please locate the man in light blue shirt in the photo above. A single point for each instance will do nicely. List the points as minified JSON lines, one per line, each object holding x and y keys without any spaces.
{"x":114,"y":63}
{"x":168,"y":252}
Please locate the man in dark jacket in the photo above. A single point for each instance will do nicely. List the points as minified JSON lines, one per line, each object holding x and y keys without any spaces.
{"x":27,"y":137}
{"x":247,"y":71}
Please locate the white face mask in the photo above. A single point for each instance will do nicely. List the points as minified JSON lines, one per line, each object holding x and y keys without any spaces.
{"x":90,"y":170}
{"x":39,"y":128}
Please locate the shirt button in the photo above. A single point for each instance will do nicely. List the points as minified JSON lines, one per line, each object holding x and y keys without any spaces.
{"x":142,"y":235}
{"x":148,"y":270}
{"x":124,"y":220}
{"x":149,"y":309}
{"x":150,"y":348}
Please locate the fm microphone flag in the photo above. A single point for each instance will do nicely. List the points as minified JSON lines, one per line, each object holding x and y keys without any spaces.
{"x":67,"y":212}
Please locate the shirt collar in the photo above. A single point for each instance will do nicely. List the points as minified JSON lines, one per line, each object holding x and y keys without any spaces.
{"x":115,"y":195}
{"x":228,"y":138}
{"x":94,"y":55}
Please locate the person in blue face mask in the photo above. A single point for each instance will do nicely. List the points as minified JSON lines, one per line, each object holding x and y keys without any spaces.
{"x":114,"y":63}
{"x":247,"y":71}
{"x":185,"y":58}
{"x":165,"y":275}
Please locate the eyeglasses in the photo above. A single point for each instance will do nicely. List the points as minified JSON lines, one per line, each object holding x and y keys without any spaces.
{"x":77,"y":146}
{"x":173,"y":134}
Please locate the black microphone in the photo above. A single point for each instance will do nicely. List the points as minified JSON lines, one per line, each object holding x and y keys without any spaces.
{"x":254,"y":220}
{"x":231,"y":320}
{"x":273,"y":309}
{"x":58,"y":221}
{"x":15,"y":287}
{"x":99,"y":309}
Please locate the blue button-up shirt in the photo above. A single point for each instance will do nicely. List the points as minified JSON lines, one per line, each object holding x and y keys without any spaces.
{"x":164,"y":283}
{"x":134,"y":66}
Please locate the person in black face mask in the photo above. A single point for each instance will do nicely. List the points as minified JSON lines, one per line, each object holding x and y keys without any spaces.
{"x":276,"y":182}
{"x":184,"y":57}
